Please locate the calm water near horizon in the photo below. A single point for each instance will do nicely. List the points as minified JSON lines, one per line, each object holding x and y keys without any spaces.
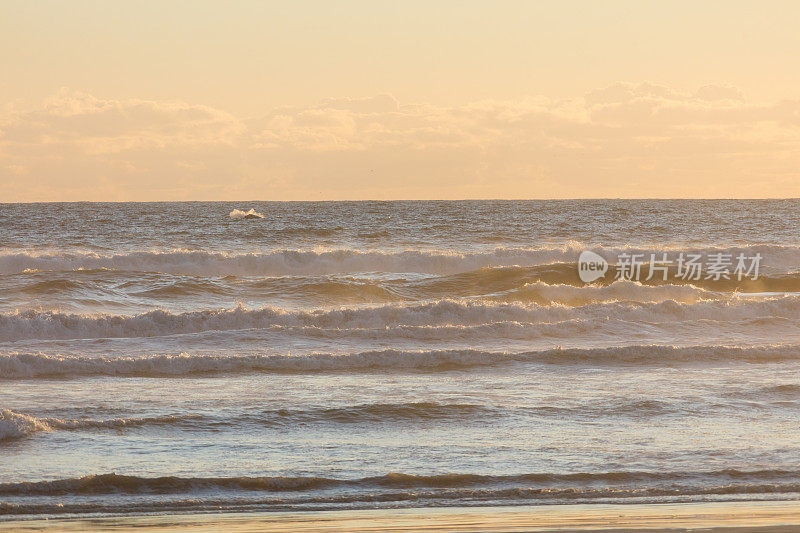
{"x":348,"y":355}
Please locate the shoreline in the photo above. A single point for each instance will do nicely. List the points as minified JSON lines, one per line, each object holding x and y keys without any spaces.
{"x":719,"y":517}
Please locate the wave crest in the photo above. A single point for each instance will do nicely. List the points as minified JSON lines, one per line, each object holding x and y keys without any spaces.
{"x":238,"y":214}
{"x":15,"y":425}
{"x":54,"y":325}
{"x":306,"y":262}
{"x":116,"y":483}
{"x":26,"y":366}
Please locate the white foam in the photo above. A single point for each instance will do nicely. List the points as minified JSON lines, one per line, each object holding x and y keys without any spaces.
{"x":237,"y":214}
{"x":622,"y":291}
{"x":15,"y":425}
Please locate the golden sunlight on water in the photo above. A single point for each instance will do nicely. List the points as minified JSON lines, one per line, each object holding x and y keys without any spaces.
{"x":399,"y":266}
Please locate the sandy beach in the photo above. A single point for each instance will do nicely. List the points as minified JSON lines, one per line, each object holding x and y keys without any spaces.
{"x":741,"y":517}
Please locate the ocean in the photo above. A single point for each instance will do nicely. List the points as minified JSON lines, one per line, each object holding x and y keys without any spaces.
{"x":163,"y":357}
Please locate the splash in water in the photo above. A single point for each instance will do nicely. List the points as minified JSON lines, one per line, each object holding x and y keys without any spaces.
{"x":237,"y":214}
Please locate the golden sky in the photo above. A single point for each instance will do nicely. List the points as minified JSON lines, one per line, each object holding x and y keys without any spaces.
{"x":197,"y":100}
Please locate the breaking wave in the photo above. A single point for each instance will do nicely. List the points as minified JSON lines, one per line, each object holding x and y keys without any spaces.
{"x":237,"y":214}
{"x":296,"y":262}
{"x":626,"y":291}
{"x":506,"y":284}
{"x":25,"y":366}
{"x":54,"y":325}
{"x":15,"y":425}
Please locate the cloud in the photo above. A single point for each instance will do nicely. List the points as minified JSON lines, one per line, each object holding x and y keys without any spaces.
{"x":382,"y":103}
{"x":629,"y":140}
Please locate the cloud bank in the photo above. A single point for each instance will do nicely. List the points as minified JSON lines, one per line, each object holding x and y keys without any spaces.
{"x":627,"y":140}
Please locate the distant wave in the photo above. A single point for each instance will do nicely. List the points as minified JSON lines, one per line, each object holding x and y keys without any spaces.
{"x":297,"y":262}
{"x":14,"y":425}
{"x":25,"y":366}
{"x":237,"y":214}
{"x":53,"y":325}
{"x":282,"y":262}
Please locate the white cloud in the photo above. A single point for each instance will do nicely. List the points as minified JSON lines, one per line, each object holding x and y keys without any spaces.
{"x":623,"y":140}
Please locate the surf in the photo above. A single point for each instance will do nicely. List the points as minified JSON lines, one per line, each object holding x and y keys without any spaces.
{"x":37,"y":365}
{"x":42,"y":325}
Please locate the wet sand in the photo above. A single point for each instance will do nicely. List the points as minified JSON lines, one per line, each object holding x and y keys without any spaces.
{"x":773,"y":517}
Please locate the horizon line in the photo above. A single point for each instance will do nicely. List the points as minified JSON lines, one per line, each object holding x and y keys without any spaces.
{"x":676,"y":198}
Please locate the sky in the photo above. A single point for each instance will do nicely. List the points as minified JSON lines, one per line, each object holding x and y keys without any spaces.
{"x":352,"y":100}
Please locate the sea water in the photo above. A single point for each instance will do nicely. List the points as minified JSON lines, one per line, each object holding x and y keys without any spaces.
{"x":178,"y":356}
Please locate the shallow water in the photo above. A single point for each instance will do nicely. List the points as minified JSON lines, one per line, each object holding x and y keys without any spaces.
{"x":374,"y":354}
